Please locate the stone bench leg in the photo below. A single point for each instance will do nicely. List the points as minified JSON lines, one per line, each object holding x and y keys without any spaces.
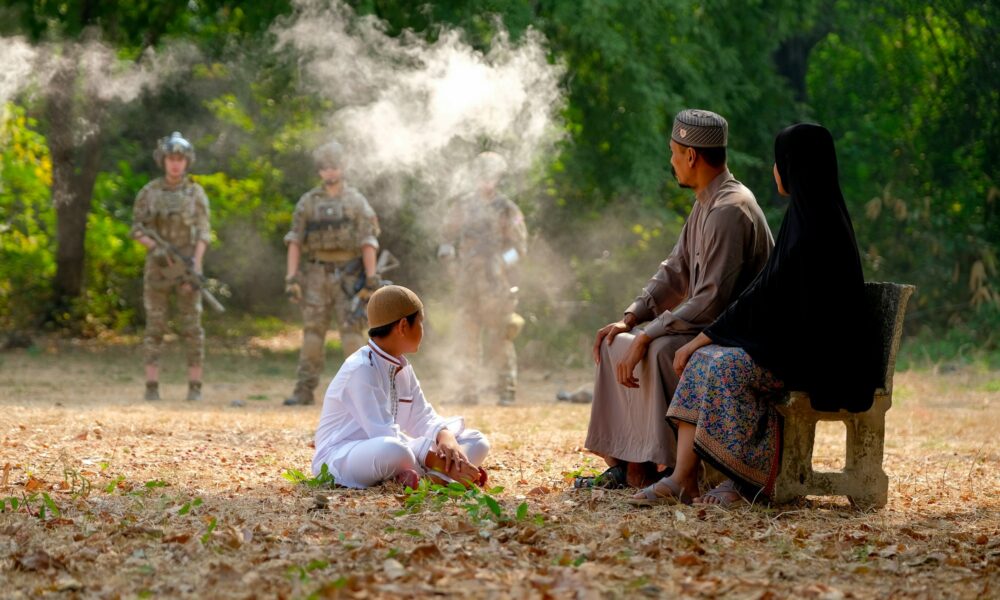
{"x":798,"y":436}
{"x":866,"y":483}
{"x":863,"y":480}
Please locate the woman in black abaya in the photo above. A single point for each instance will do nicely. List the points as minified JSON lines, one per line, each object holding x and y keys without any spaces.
{"x":802,"y":324}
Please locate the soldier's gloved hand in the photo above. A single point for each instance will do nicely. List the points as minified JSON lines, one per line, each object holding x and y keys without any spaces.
{"x":446,"y":252}
{"x":372,"y":283}
{"x":293,"y":289}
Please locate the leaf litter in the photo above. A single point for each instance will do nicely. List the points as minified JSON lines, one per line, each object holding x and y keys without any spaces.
{"x":171,"y":499}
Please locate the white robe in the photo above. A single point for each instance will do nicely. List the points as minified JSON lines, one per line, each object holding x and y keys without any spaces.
{"x":373,"y":406}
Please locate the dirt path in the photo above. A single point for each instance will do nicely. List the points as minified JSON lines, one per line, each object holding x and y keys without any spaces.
{"x":180,"y":500}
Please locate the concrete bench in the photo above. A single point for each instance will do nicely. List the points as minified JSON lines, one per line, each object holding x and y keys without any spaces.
{"x":863,"y":480}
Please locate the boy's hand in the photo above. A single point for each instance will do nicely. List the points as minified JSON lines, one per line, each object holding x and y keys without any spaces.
{"x":449,"y":450}
{"x":450,"y":460}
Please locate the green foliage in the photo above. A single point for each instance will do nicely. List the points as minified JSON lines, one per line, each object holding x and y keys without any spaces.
{"x":207,"y":536}
{"x":916,"y":143}
{"x":79,"y":485}
{"x":38,"y":504}
{"x":324,"y":479}
{"x":187,"y":506}
{"x":302,"y":572}
{"x":27,"y":221}
{"x":480,"y":505}
{"x":908,"y":89}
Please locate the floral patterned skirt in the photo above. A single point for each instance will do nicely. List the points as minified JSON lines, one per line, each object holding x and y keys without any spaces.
{"x":730,"y":401}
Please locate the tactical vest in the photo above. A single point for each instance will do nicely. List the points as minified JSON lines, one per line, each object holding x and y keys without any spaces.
{"x":481,"y":230}
{"x":331,"y":225}
{"x":173,"y":214}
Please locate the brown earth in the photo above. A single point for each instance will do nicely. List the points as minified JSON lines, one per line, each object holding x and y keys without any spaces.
{"x":171,"y":499}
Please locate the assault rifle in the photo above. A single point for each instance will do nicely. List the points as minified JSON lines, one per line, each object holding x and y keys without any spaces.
{"x":359,"y":299}
{"x":180,"y":268}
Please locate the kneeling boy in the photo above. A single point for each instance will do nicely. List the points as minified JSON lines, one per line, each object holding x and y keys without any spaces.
{"x":376,"y":423}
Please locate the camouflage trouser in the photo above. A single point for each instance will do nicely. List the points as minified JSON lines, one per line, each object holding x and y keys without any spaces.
{"x":324,"y":297}
{"x":485,"y":314}
{"x":156,"y":300}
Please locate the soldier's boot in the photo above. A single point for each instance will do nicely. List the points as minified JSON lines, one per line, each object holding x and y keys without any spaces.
{"x":506,"y":390}
{"x":152,"y":391}
{"x":300,"y":397}
{"x":194,"y":391}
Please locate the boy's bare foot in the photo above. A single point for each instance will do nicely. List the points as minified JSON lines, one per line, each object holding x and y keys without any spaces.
{"x":408,"y":478}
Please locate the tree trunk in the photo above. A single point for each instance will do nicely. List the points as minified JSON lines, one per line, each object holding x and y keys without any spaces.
{"x":74,"y":171}
{"x":792,"y":60}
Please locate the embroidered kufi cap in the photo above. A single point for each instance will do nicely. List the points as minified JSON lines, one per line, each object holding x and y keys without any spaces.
{"x":391,"y":303}
{"x":700,"y":129}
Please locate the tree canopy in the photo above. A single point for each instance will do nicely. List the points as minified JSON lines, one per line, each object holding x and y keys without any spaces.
{"x":908,"y":89}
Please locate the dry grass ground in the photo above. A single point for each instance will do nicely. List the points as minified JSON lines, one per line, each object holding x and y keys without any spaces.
{"x":179,"y":500}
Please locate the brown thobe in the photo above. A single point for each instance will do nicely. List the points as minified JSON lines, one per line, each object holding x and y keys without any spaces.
{"x":723,"y":245}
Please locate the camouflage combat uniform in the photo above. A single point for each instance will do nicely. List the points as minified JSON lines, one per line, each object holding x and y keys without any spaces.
{"x":331,"y":233}
{"x":180,"y":216}
{"x":483,"y":231}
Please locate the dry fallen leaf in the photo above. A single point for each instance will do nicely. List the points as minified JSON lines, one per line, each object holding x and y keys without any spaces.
{"x":39,"y":560}
{"x":393,"y":568}
{"x":425,"y":552}
{"x":687,"y":560}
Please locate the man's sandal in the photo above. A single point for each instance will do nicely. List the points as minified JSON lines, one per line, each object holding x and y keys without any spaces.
{"x":614,"y":478}
{"x":651,"y":497}
{"x":723,"y":494}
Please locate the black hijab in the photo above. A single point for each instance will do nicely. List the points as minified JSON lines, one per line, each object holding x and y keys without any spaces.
{"x":805,"y":317}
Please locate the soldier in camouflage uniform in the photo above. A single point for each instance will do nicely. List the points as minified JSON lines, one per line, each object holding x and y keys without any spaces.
{"x":175,"y":208}
{"x":334,"y":239}
{"x":486,"y":234}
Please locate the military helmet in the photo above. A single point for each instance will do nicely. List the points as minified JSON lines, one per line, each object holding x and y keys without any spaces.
{"x":173,"y":144}
{"x":329,"y":155}
{"x":489,"y":166}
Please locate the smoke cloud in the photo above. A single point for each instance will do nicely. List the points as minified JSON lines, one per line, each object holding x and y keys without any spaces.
{"x":406,"y":106}
{"x":17,"y":59}
{"x":102,"y":74}
{"x":412,"y":115}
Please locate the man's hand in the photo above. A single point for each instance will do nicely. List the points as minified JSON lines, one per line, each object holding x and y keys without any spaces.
{"x":610,"y":331}
{"x":293,"y":289}
{"x":684,"y":353}
{"x":625,"y":370}
{"x":194,"y":284}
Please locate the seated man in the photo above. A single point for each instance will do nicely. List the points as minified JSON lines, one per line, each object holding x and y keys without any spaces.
{"x":722,"y":246}
{"x":376,"y":423}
